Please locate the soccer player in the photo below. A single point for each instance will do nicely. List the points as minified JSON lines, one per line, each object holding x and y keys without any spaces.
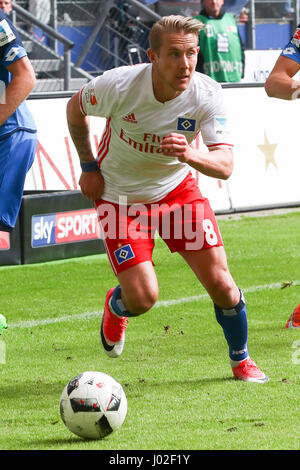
{"x":18,"y":138}
{"x":280,"y":83}
{"x":154,"y":111}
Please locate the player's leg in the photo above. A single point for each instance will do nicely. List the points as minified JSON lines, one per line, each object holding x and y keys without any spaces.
{"x":201,"y":246}
{"x":136,"y":293}
{"x":138,"y":289}
{"x":131,"y":261}
{"x":211,"y":268}
{"x":16,"y":157}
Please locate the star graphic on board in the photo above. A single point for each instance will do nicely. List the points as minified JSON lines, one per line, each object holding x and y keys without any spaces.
{"x":268,"y":151}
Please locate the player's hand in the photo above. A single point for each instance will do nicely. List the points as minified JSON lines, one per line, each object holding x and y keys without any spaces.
{"x":92,"y":184}
{"x":176,"y":145}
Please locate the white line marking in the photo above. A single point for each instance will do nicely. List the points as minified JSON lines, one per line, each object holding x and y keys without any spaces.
{"x":159,"y":304}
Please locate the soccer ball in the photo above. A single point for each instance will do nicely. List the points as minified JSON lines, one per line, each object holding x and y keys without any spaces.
{"x":93,"y":405}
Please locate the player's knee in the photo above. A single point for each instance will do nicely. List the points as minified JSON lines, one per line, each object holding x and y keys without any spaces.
{"x":142,"y":302}
{"x":224,"y":291}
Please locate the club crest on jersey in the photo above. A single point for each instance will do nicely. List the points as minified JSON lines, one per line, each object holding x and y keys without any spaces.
{"x":124,"y":254}
{"x":6,"y":34}
{"x":186,"y":124}
{"x":91,"y":97}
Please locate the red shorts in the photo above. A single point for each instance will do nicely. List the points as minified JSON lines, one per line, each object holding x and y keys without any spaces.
{"x":183,"y":219}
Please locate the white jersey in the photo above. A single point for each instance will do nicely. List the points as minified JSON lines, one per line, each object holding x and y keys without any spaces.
{"x":131,"y":161}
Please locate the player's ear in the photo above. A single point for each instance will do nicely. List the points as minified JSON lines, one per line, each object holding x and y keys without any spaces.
{"x":151,"y":55}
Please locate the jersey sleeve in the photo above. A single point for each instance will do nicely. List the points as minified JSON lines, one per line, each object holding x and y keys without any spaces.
{"x":292,"y":49}
{"x":214,"y":126}
{"x":11,"y":47}
{"x":100,"y":96}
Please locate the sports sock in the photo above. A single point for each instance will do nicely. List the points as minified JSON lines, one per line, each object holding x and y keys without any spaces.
{"x":234,"y":323}
{"x":116,"y":304}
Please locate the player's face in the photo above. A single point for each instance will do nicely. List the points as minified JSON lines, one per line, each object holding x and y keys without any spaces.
{"x":213,"y":7}
{"x":174,"y":64}
{"x":6,"y":6}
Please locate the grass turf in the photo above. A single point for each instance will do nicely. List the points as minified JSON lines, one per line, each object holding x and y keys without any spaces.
{"x":174,"y":368}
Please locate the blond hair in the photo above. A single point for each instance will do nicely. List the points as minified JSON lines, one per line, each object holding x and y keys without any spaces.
{"x":173,"y":24}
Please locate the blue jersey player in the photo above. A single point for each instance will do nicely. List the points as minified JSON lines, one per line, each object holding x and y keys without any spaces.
{"x":18,"y":138}
{"x":280,"y":83}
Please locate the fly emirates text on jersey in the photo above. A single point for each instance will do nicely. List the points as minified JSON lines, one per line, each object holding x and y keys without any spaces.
{"x":150,"y":142}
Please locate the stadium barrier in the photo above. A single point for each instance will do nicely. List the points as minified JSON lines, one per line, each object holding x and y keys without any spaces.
{"x":266,"y":168}
{"x":58,"y":225}
{"x":52,"y":226}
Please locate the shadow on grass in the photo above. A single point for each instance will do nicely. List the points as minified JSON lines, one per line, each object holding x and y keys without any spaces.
{"x":201,"y":382}
{"x":63,"y":442}
{"x":46,"y":390}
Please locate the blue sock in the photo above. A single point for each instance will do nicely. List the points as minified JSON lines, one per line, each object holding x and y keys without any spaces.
{"x":234,"y":323}
{"x":117,"y":305}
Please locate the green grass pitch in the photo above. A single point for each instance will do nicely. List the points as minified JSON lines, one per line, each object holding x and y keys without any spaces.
{"x":174,"y":369}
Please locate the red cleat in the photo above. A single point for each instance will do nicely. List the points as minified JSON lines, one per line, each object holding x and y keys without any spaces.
{"x":294,"y":319}
{"x":248,"y":371}
{"x":112,"y":330}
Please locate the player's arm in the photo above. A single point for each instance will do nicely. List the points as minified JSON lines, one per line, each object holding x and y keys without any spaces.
{"x":218,"y":163}
{"x":280,"y":83}
{"x":91,"y":182}
{"x":22,"y":83}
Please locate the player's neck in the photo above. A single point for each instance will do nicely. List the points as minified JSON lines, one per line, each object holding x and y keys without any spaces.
{"x":162,"y":92}
{"x":162,"y":98}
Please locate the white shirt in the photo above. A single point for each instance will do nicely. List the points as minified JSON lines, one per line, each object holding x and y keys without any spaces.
{"x":129,"y":156}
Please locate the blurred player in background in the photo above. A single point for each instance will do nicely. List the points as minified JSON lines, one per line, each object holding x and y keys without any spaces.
{"x":18,"y":138}
{"x":154,"y":111}
{"x":6,"y":6}
{"x":281,"y":84}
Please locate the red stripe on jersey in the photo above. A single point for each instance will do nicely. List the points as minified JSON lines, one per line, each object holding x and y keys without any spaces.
{"x":104,"y":144}
{"x":80,"y":102}
{"x":104,"y":136}
{"x":219,"y":145}
{"x":105,"y":152}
